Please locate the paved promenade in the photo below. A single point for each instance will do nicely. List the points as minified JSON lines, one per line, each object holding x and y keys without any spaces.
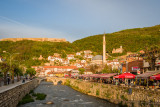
{"x":10,"y":86}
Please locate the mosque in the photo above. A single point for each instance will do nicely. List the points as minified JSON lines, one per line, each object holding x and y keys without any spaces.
{"x":99,"y":59}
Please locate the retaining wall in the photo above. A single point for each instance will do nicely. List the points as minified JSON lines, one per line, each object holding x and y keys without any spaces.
{"x":11,"y":97}
{"x":117,"y":94}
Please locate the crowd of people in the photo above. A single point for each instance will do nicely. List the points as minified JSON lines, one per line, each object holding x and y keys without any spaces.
{"x":131,"y":81}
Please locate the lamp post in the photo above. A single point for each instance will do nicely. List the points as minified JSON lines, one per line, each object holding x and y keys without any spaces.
{"x":10,"y":63}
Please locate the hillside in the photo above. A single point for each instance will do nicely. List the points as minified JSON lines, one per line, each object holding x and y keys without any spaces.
{"x":33,"y":49}
{"x":131,"y":39}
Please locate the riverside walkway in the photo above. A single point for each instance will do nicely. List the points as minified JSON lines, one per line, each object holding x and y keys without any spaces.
{"x":10,"y":86}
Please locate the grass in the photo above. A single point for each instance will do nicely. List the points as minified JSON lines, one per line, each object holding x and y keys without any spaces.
{"x":31,"y":92}
{"x":122,"y":105}
{"x":124,"y":98}
{"x":108,"y":95}
{"x":97,"y":92}
{"x":26,"y":99}
{"x":39,"y":96}
{"x":89,"y":91}
{"x":67,"y":82}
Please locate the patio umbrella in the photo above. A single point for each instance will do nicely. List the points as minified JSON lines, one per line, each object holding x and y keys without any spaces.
{"x":126,"y":75}
{"x":155,"y":77}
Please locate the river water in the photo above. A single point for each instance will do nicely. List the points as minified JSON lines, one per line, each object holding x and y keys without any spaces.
{"x":64,"y":96}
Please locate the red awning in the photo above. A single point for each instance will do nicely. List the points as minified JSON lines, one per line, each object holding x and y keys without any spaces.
{"x":126,"y":75}
{"x":155,"y":77}
{"x":98,"y":75}
{"x":108,"y":75}
{"x":93,"y":75}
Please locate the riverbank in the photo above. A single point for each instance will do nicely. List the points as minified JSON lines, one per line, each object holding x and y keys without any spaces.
{"x":10,"y":95}
{"x":64,"y":96}
{"x":117,"y":94}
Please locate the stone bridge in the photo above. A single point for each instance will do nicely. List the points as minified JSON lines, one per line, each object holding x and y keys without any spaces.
{"x":56,"y":80}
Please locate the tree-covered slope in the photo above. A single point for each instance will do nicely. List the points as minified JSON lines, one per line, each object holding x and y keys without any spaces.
{"x":32,"y":49}
{"x":35,"y":49}
{"x":131,"y":39}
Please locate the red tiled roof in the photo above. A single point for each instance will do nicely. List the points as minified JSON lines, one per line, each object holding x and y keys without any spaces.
{"x":49,"y":72}
{"x":34,"y":66}
{"x":65,"y":67}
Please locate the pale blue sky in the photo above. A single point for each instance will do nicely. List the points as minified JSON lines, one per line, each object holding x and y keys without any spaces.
{"x":74,"y":19}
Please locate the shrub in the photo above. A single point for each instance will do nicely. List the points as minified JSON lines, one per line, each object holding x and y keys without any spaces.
{"x":67,"y":82}
{"x":97,"y":92}
{"x":40,"y":96}
{"x":122,"y":105}
{"x":31,"y":92}
{"x":26,"y":99}
{"x":89,"y":91}
{"x":108,"y":95}
{"x":124,"y":98}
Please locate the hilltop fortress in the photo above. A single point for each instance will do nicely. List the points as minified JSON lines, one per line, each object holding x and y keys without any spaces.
{"x":34,"y":39}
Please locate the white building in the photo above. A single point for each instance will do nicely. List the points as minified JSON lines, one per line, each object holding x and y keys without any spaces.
{"x":78,"y":53}
{"x":70,"y":56}
{"x":74,"y":73}
{"x":114,"y":64}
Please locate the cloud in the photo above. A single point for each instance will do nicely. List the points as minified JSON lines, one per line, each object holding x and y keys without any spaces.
{"x":10,"y":28}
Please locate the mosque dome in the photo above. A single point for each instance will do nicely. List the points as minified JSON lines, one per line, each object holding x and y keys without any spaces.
{"x":97,"y":57}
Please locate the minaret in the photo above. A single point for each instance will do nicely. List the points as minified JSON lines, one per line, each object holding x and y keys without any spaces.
{"x":104,"y":49}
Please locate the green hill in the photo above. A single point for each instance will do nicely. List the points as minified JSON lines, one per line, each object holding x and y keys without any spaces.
{"x":32,"y":49}
{"x":131,"y":39}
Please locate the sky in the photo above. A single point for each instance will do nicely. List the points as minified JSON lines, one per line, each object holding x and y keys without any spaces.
{"x":74,"y":19}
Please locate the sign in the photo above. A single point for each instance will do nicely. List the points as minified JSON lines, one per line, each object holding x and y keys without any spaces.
{"x":138,"y":72}
{"x":135,"y":68}
{"x":157,"y":63}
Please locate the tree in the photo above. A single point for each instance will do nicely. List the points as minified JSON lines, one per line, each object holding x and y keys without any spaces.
{"x":31,"y":71}
{"x":151,"y":54}
{"x":12,"y":67}
{"x":81,"y":70}
{"x":64,"y":55}
{"x":1,"y":76}
{"x":72,"y":61}
{"x":94,"y":68}
{"x":107,"y":69}
{"x":4,"y":67}
{"x":18,"y":72}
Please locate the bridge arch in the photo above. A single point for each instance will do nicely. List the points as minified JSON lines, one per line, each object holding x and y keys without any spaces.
{"x":56,"y":80}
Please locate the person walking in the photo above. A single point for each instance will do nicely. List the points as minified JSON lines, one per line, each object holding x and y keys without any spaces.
{"x":8,"y":80}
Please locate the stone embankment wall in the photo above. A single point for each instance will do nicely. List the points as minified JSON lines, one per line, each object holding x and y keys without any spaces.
{"x":34,"y":39}
{"x":116,"y":94}
{"x":11,"y":97}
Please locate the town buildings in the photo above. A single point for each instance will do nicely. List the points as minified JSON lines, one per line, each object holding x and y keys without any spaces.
{"x":59,"y":71}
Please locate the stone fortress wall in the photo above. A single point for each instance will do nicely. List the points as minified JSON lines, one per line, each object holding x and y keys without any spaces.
{"x":34,"y":39}
{"x":11,"y":97}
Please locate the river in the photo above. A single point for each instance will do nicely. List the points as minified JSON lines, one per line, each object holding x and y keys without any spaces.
{"x":64,"y":96}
